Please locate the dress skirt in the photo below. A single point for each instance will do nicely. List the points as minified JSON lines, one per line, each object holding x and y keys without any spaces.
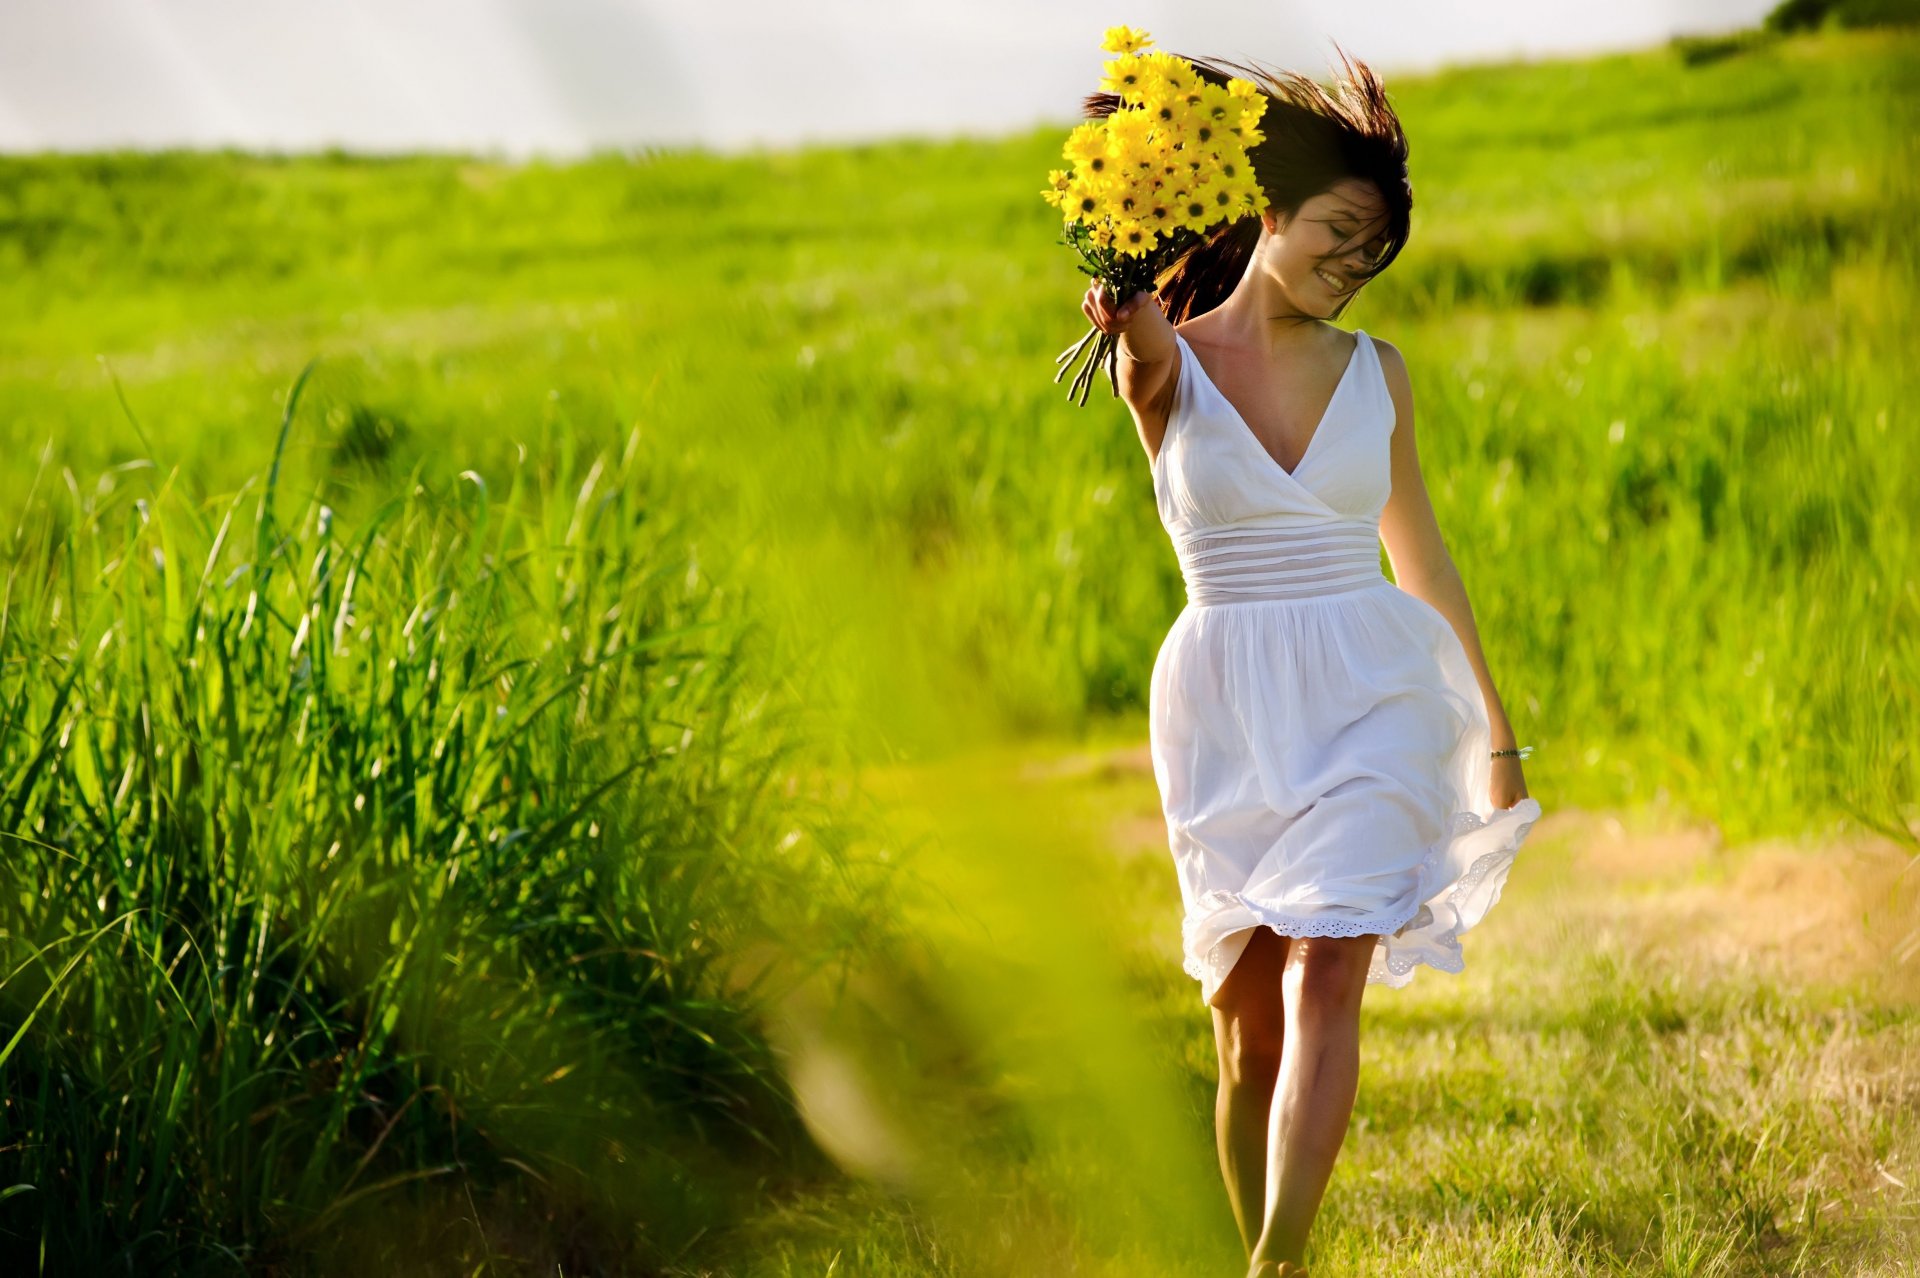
{"x":1323,"y":765}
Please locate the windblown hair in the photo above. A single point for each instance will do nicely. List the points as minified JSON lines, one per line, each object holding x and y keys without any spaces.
{"x":1312,"y":139}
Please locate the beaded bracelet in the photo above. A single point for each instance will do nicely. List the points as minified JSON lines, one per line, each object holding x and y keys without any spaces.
{"x":1520,"y":753}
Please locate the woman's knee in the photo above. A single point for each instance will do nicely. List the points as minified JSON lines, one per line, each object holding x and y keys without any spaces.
{"x":1248,"y":1013}
{"x":1326,"y":975}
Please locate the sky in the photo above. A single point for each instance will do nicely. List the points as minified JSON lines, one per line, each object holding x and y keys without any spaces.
{"x":561,"y":78}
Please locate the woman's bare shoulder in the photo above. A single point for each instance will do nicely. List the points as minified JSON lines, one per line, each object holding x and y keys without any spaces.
{"x":1393,"y":365}
{"x":1388,"y":351}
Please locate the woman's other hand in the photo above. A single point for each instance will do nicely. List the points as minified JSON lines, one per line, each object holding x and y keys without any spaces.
{"x":1506,"y":786}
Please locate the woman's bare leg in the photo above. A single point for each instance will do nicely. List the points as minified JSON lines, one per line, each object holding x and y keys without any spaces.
{"x":1323,"y":981}
{"x":1249,"y":1029}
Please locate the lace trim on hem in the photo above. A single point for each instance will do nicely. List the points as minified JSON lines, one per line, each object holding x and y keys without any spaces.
{"x":1395,"y":966}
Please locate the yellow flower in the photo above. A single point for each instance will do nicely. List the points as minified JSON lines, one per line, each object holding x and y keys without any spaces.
{"x":1247,"y":128}
{"x":1059,"y":183}
{"x":1086,"y":199}
{"x":1092,"y":150}
{"x":1188,"y":164}
{"x":1175,"y":72}
{"x":1124,"y":40}
{"x":1133,"y":237}
{"x":1086,"y":141}
{"x":1131,"y":135}
{"x":1217,"y":197}
{"x":1125,"y":76}
{"x":1159,"y":215}
{"x":1126,"y":200}
{"x":1232,"y":165}
{"x":1217,"y":111}
{"x":1241,"y":88}
{"x":1163,"y":111}
{"x":1191,"y":208}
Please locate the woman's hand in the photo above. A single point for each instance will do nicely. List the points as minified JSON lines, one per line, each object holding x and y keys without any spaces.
{"x":1109,"y":318}
{"x":1506,"y":786}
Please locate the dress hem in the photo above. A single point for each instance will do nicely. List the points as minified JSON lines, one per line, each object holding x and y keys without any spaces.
{"x":1441,"y":952}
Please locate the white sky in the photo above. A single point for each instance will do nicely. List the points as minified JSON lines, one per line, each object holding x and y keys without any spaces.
{"x":560,"y":77}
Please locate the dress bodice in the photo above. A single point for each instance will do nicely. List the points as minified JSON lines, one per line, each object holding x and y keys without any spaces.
{"x":1242,"y":525}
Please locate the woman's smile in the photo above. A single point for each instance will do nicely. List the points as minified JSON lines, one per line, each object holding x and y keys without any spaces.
{"x":1332,"y":283}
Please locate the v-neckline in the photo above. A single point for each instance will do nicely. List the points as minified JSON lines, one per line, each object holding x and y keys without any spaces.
{"x":1346,"y":373}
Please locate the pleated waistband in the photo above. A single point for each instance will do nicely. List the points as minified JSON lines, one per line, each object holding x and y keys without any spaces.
{"x":1238,"y":564}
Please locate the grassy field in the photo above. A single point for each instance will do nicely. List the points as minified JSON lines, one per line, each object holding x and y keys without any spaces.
{"x":1657,"y":317}
{"x":492,"y":658}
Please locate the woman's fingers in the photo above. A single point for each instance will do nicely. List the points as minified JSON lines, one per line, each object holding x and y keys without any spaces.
{"x":1102,"y":312}
{"x":1097,"y":316}
{"x":1098,"y":310}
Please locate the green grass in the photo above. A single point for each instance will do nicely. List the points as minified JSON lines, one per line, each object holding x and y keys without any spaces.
{"x":341,"y":856}
{"x":1656,"y":315}
{"x":449,"y":608}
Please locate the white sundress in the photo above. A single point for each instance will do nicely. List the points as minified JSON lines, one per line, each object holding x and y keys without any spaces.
{"x":1318,"y":736}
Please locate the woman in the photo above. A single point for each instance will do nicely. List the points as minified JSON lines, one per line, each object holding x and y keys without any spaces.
{"x":1341,"y":785}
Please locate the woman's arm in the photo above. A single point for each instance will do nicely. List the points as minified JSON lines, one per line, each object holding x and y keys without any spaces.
{"x":1423,"y":568}
{"x":1145,"y":371}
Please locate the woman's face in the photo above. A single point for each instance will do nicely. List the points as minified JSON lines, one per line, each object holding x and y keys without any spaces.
{"x":1317,"y":256}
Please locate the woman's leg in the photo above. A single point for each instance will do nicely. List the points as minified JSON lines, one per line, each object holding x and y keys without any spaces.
{"x":1323,"y":981}
{"x":1248,"y":1029}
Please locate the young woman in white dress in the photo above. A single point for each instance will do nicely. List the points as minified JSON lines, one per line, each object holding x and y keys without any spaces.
{"x":1432,"y":805}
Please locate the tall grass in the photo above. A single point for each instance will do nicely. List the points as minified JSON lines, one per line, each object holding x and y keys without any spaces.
{"x":361,"y":873}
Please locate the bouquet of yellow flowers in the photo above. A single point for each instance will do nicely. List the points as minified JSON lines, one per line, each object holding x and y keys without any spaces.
{"x":1150,"y":179}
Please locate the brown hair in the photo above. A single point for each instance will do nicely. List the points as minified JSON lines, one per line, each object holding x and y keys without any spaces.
{"x":1312,"y":139}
